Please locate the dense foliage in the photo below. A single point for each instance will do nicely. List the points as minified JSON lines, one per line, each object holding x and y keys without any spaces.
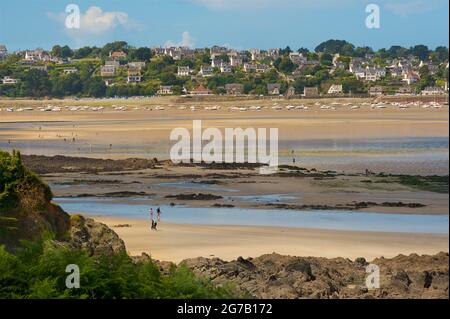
{"x":14,"y":178}
{"x":38,"y":270}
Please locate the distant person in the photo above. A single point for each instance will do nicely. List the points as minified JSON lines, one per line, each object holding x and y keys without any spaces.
{"x":158,"y":212}
{"x":154,"y":225}
{"x":151,"y":213}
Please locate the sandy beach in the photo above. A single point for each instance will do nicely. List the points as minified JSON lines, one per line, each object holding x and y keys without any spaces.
{"x":176,"y":242}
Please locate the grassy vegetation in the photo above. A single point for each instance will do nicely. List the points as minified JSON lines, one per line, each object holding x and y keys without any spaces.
{"x":16,"y":181}
{"x":38,"y":271}
{"x":437,"y":184}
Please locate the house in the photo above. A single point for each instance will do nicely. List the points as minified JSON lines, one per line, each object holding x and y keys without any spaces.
{"x":273,"y":89}
{"x":67,"y":71}
{"x":273,"y":53}
{"x":360,"y":73}
{"x":183,"y":71}
{"x":225,"y":68}
{"x":134,"y":76}
{"x":376,"y":90}
{"x":261,"y":68}
{"x":234,"y":89}
{"x":115,"y":64}
{"x":335,"y":89}
{"x":249,"y":67}
{"x":216,"y":62}
{"x":165,"y":90}
{"x":297,"y":58}
{"x":116,"y":55}
{"x":3,"y":51}
{"x":433,"y":90}
{"x":374,"y":74}
{"x":411,"y":77}
{"x":108,"y":70}
{"x":404,"y":90}
{"x":136,"y":65}
{"x":290,"y":91}
{"x":7,"y":80}
{"x":42,"y":68}
{"x":218,"y":50}
{"x":206,"y":71}
{"x":235,"y":61}
{"x":200,"y":90}
{"x":32,"y":56}
{"x":256,"y":54}
{"x":310,"y":91}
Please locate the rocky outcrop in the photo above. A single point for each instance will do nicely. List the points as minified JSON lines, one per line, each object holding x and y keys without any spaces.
{"x":276,"y":276}
{"x":96,"y":238}
{"x":27,"y":213}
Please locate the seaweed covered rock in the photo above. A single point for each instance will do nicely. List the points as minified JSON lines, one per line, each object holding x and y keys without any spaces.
{"x":96,"y":238}
{"x":26,"y":211}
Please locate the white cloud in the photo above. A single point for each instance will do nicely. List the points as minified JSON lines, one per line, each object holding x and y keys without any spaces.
{"x":186,"y":41}
{"x":95,"y":23}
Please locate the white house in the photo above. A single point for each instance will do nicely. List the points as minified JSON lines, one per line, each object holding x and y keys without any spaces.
{"x":206,"y":71}
{"x":183,"y":71}
{"x":225,"y":68}
{"x":235,"y":61}
{"x":165,"y":90}
{"x":7,"y":80}
{"x":70,"y":71}
{"x":335,"y":89}
{"x":433,"y":90}
{"x":134,"y":76}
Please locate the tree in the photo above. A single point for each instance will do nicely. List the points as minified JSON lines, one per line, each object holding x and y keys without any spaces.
{"x":420,"y":51}
{"x":284,"y":64}
{"x":56,"y":51}
{"x":83,"y":53}
{"x":114,"y":46}
{"x":302,"y":50}
{"x":94,"y":87}
{"x":440,"y":55}
{"x":141,"y":54}
{"x":336,"y":46}
{"x":36,"y":84}
{"x":66,"y":52}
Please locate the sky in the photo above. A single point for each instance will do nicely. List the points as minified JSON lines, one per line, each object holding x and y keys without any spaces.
{"x":239,"y":24}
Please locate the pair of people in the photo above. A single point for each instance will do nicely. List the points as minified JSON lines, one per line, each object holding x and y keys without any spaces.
{"x":155,"y":223}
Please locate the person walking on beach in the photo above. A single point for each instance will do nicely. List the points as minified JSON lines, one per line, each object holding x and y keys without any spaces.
{"x":151,"y":213}
{"x":158,"y":212}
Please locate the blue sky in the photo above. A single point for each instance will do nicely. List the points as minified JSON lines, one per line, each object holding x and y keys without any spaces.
{"x":236,"y":23}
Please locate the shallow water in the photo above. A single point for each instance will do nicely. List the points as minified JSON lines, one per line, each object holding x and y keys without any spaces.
{"x":411,"y":155}
{"x":197,"y":186}
{"x":334,"y":220}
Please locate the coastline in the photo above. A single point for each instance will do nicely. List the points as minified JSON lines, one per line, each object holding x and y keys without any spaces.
{"x":177,"y":242}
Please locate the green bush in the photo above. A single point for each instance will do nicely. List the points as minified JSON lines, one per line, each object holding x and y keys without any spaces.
{"x":38,"y":271}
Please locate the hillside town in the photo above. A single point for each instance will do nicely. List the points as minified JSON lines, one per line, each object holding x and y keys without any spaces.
{"x":334,"y":68}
